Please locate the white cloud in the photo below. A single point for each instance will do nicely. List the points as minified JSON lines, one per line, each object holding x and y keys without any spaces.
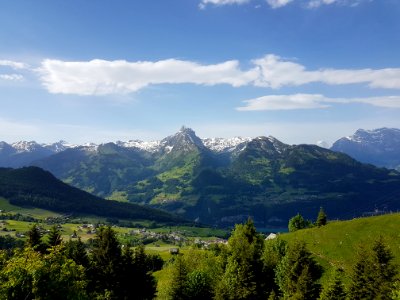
{"x":278,"y":3}
{"x":276,"y":72}
{"x":284,"y":102}
{"x":312,"y":101}
{"x":204,"y":3}
{"x":101,"y":77}
{"x":318,"y":3}
{"x":11,"y":77}
{"x":281,"y":3}
{"x":13,"y":64}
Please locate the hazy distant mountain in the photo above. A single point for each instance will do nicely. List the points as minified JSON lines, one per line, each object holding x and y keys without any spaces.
{"x":223,"y":181}
{"x":380,"y":147}
{"x":323,"y":144}
{"x":23,"y":153}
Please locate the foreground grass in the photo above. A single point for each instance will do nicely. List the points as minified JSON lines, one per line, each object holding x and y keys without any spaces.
{"x":336,"y":244}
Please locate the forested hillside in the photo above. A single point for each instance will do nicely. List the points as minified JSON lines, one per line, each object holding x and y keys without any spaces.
{"x":34,"y":187}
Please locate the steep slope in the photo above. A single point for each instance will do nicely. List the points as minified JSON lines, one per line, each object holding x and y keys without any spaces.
{"x":32,"y":186}
{"x":100,"y":170}
{"x":180,"y":158}
{"x":336,"y":244}
{"x":380,"y":147}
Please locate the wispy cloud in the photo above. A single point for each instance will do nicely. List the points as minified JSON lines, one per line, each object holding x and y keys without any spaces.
{"x":318,"y":3}
{"x":13,"y":66}
{"x":278,"y":3}
{"x":312,"y":101}
{"x":102,"y":77}
{"x":281,"y":3}
{"x":276,"y":72}
{"x":204,"y":3}
{"x":16,"y":65}
{"x":11,"y":77}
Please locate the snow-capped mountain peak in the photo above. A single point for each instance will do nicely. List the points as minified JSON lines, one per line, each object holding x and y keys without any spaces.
{"x":24,"y":146}
{"x":59,"y":146}
{"x":151,"y":146}
{"x":224,"y":144}
{"x":323,"y":144}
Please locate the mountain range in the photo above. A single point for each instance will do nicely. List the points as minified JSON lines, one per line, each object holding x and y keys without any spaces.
{"x":380,"y":147}
{"x":224,"y":181}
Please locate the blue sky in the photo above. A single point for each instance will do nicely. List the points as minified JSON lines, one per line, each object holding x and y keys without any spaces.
{"x":300,"y":70}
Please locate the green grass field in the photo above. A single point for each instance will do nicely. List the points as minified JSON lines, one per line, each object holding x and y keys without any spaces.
{"x":37,"y":213}
{"x":336,"y":244}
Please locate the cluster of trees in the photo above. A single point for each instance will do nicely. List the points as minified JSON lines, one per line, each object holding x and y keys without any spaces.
{"x":247,"y":267}
{"x":250,"y":268}
{"x":53,"y":269}
{"x":298,"y":222}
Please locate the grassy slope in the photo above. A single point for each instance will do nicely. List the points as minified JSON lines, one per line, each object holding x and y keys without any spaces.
{"x":336,"y":243}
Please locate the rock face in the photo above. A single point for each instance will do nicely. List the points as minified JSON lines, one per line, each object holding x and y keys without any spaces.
{"x":380,"y":147}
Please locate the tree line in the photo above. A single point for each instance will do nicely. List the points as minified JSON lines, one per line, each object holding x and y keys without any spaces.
{"x":247,"y":267}
{"x":53,"y":269}
{"x":250,"y":268}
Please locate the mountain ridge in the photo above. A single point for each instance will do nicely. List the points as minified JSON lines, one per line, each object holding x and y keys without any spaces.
{"x":261,"y":177}
{"x":380,"y":147}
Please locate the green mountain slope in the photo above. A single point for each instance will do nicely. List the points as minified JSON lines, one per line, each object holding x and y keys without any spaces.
{"x":102,"y":171}
{"x":336,"y":243}
{"x":263,"y":178}
{"x":35,"y":187}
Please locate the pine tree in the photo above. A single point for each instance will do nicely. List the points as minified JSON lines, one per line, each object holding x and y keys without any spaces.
{"x":142,"y":278}
{"x":322,"y":218}
{"x":54,"y":238}
{"x":76,"y":250}
{"x":35,"y":239}
{"x":335,"y":289}
{"x":106,"y":262}
{"x":274,"y":251}
{"x":244,"y":277}
{"x":373,"y":273}
{"x":297,"y":273}
{"x":179,"y":273}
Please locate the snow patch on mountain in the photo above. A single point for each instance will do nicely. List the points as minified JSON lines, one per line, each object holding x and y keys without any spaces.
{"x":152,"y":146}
{"x":225,"y":144}
{"x":323,"y":144}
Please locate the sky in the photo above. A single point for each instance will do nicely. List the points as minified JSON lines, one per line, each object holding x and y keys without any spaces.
{"x":108,"y":70}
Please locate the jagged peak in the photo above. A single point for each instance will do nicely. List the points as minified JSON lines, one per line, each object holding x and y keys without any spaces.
{"x":184,"y":137}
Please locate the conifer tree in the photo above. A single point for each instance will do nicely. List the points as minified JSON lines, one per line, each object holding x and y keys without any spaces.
{"x":177,"y":288}
{"x":274,"y":251}
{"x":373,"y":273}
{"x":54,"y":238}
{"x":244,"y":277}
{"x":137,"y":281}
{"x":35,"y":239}
{"x":297,"y":273}
{"x":322,"y":218}
{"x":334,"y":290}
{"x":106,"y":262}
{"x":76,"y":250}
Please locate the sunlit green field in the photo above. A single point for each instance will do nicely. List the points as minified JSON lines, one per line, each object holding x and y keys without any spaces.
{"x":337,"y":243}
